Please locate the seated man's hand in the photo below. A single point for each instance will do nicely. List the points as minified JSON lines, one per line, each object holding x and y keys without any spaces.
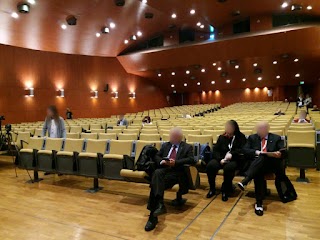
{"x":276,"y":154}
{"x":228,"y":156}
{"x":163,"y":162}
{"x":171,"y":163}
{"x":258,"y":152}
{"x":223,"y":161}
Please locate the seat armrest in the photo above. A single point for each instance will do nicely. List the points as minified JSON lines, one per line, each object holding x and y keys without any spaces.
{"x":193,"y":176}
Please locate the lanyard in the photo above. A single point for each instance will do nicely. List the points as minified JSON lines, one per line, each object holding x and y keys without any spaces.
{"x":231,"y":144}
{"x":263,"y":148}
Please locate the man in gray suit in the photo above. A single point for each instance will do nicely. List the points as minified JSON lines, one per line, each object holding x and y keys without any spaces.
{"x":122,"y":121}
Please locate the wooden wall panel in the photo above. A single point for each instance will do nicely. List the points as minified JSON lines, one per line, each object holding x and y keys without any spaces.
{"x":78,"y":75}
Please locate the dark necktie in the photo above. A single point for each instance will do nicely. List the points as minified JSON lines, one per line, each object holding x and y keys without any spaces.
{"x":173,"y":153}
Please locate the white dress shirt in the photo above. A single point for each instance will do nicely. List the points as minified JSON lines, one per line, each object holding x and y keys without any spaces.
{"x":53,"y":130}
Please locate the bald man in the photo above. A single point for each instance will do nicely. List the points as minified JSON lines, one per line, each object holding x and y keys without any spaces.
{"x":170,"y":161}
{"x":263,"y":148}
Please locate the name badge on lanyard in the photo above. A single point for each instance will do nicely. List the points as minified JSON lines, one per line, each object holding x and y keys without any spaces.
{"x":231,"y":144}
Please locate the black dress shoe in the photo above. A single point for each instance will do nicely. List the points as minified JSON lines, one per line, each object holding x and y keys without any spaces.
{"x":178,"y":202}
{"x":151,"y":224}
{"x":224,"y":196}
{"x":258,"y":209}
{"x":211,"y":193}
{"x":241,"y":186}
{"x":161,"y":209}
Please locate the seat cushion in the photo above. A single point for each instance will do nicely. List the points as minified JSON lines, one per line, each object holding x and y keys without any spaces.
{"x":113,"y":156}
{"x":90,"y":155}
{"x":49,"y":152}
{"x":64,"y":153}
{"x":133,"y":174}
{"x":26,"y":150}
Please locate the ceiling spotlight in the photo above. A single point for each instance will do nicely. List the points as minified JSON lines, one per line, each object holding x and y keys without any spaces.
{"x":296,"y":60}
{"x":275,"y":62}
{"x":63,"y":26}
{"x":219,"y":68}
{"x":187,"y":72}
{"x":144,"y":1}
{"x":198,"y":83}
{"x":133,"y":37}
{"x":14,"y":15}
{"x":199,"y":24}
{"x":309,"y":7}
{"x":172,"y":85}
{"x":228,"y":81}
{"x":214,"y":64}
{"x":259,"y":78}
{"x":112,"y":25}
{"x":98,"y":35}
{"x":126,"y":41}
{"x":213,"y":82}
{"x":32,"y":2}
{"x":174,"y":15}
{"x":284,"y":5}
{"x":139,"y":34}
{"x":236,"y":66}
{"x":202,"y":26}
{"x":278,"y":77}
{"x":23,"y":8}
{"x":255,"y":64}
{"x":243,"y":79}
{"x":105,"y":30}
{"x":173,"y":73}
{"x":296,"y":7}
{"x":203,"y":70}
{"x":185,"y":84}
{"x":71,"y":20}
{"x":192,"y":11}
{"x":159,"y":74}
{"x":297,"y":75}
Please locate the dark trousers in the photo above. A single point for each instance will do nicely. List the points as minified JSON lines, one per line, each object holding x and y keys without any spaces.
{"x":162,"y":179}
{"x":229,"y":170}
{"x":258,"y":168}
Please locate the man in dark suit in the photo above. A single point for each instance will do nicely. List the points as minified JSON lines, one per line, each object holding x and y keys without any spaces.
{"x":265,"y":148}
{"x":170,"y":161}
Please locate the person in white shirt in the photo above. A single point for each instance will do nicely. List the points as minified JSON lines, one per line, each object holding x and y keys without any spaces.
{"x":54,"y":124}
{"x":308,"y":102}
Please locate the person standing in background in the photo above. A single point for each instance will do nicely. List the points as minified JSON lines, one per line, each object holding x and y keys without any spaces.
{"x":54,"y":124}
{"x":300,"y":102}
{"x":69,"y":114}
{"x":308,"y":102}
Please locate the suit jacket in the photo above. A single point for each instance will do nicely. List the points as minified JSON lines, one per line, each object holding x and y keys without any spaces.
{"x":221,"y":148}
{"x":184,"y":154}
{"x":300,"y":100}
{"x":61,"y":129}
{"x":253,"y":144}
{"x":125,"y":122}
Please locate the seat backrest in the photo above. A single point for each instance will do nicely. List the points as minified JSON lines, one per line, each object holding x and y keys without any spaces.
{"x":301,"y":138}
{"x":121,"y":147}
{"x":150,"y":137}
{"x":96,"y":146}
{"x":140,"y":144}
{"x":34,"y":143}
{"x":53,"y":144}
{"x":109,"y":136}
{"x":149,"y":131}
{"x":117,"y":131}
{"x":95,"y":126}
{"x":24,"y":136}
{"x":73,"y":145}
{"x":75,"y":129}
{"x":38,"y":132}
{"x":202,"y":139}
{"x":165,"y":137}
{"x":127,"y":136}
{"x":276,"y":131}
{"x":73,"y":135}
{"x":131,"y":131}
{"x":97,"y":130}
{"x":193,"y":132}
{"x":89,"y":135}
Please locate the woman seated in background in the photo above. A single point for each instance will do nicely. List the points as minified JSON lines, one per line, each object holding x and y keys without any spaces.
{"x":226,"y":156}
{"x":302,"y":118}
{"x":146,"y":120}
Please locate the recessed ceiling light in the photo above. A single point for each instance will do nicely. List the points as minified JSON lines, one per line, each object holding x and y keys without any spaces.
{"x":202,"y":26}
{"x":174,"y":15}
{"x":187,"y":72}
{"x":243,"y":79}
{"x":32,"y":2}
{"x":203,"y":70}
{"x":309,"y":7}
{"x":284,"y":5}
{"x":213,"y":82}
{"x":192,"y":11}
{"x":214,"y":64}
{"x":144,"y":1}
{"x":139,"y":34}
{"x":278,"y":77}
{"x":159,"y":74}
{"x":259,"y":78}
{"x":185,"y":84}
{"x":134,"y":37}
{"x":112,"y":25}
{"x":199,"y":24}
{"x":198,"y":83}
{"x":173,"y":73}
{"x":14,"y":15}
{"x":63,"y":26}
{"x":275,"y":62}
{"x":172,"y":85}
{"x":255,"y":64}
{"x":236,"y":66}
{"x":296,"y":60}
{"x":98,"y":35}
{"x":126,"y":41}
{"x":228,"y":81}
{"x":297,"y":75}
{"x":219,"y":68}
